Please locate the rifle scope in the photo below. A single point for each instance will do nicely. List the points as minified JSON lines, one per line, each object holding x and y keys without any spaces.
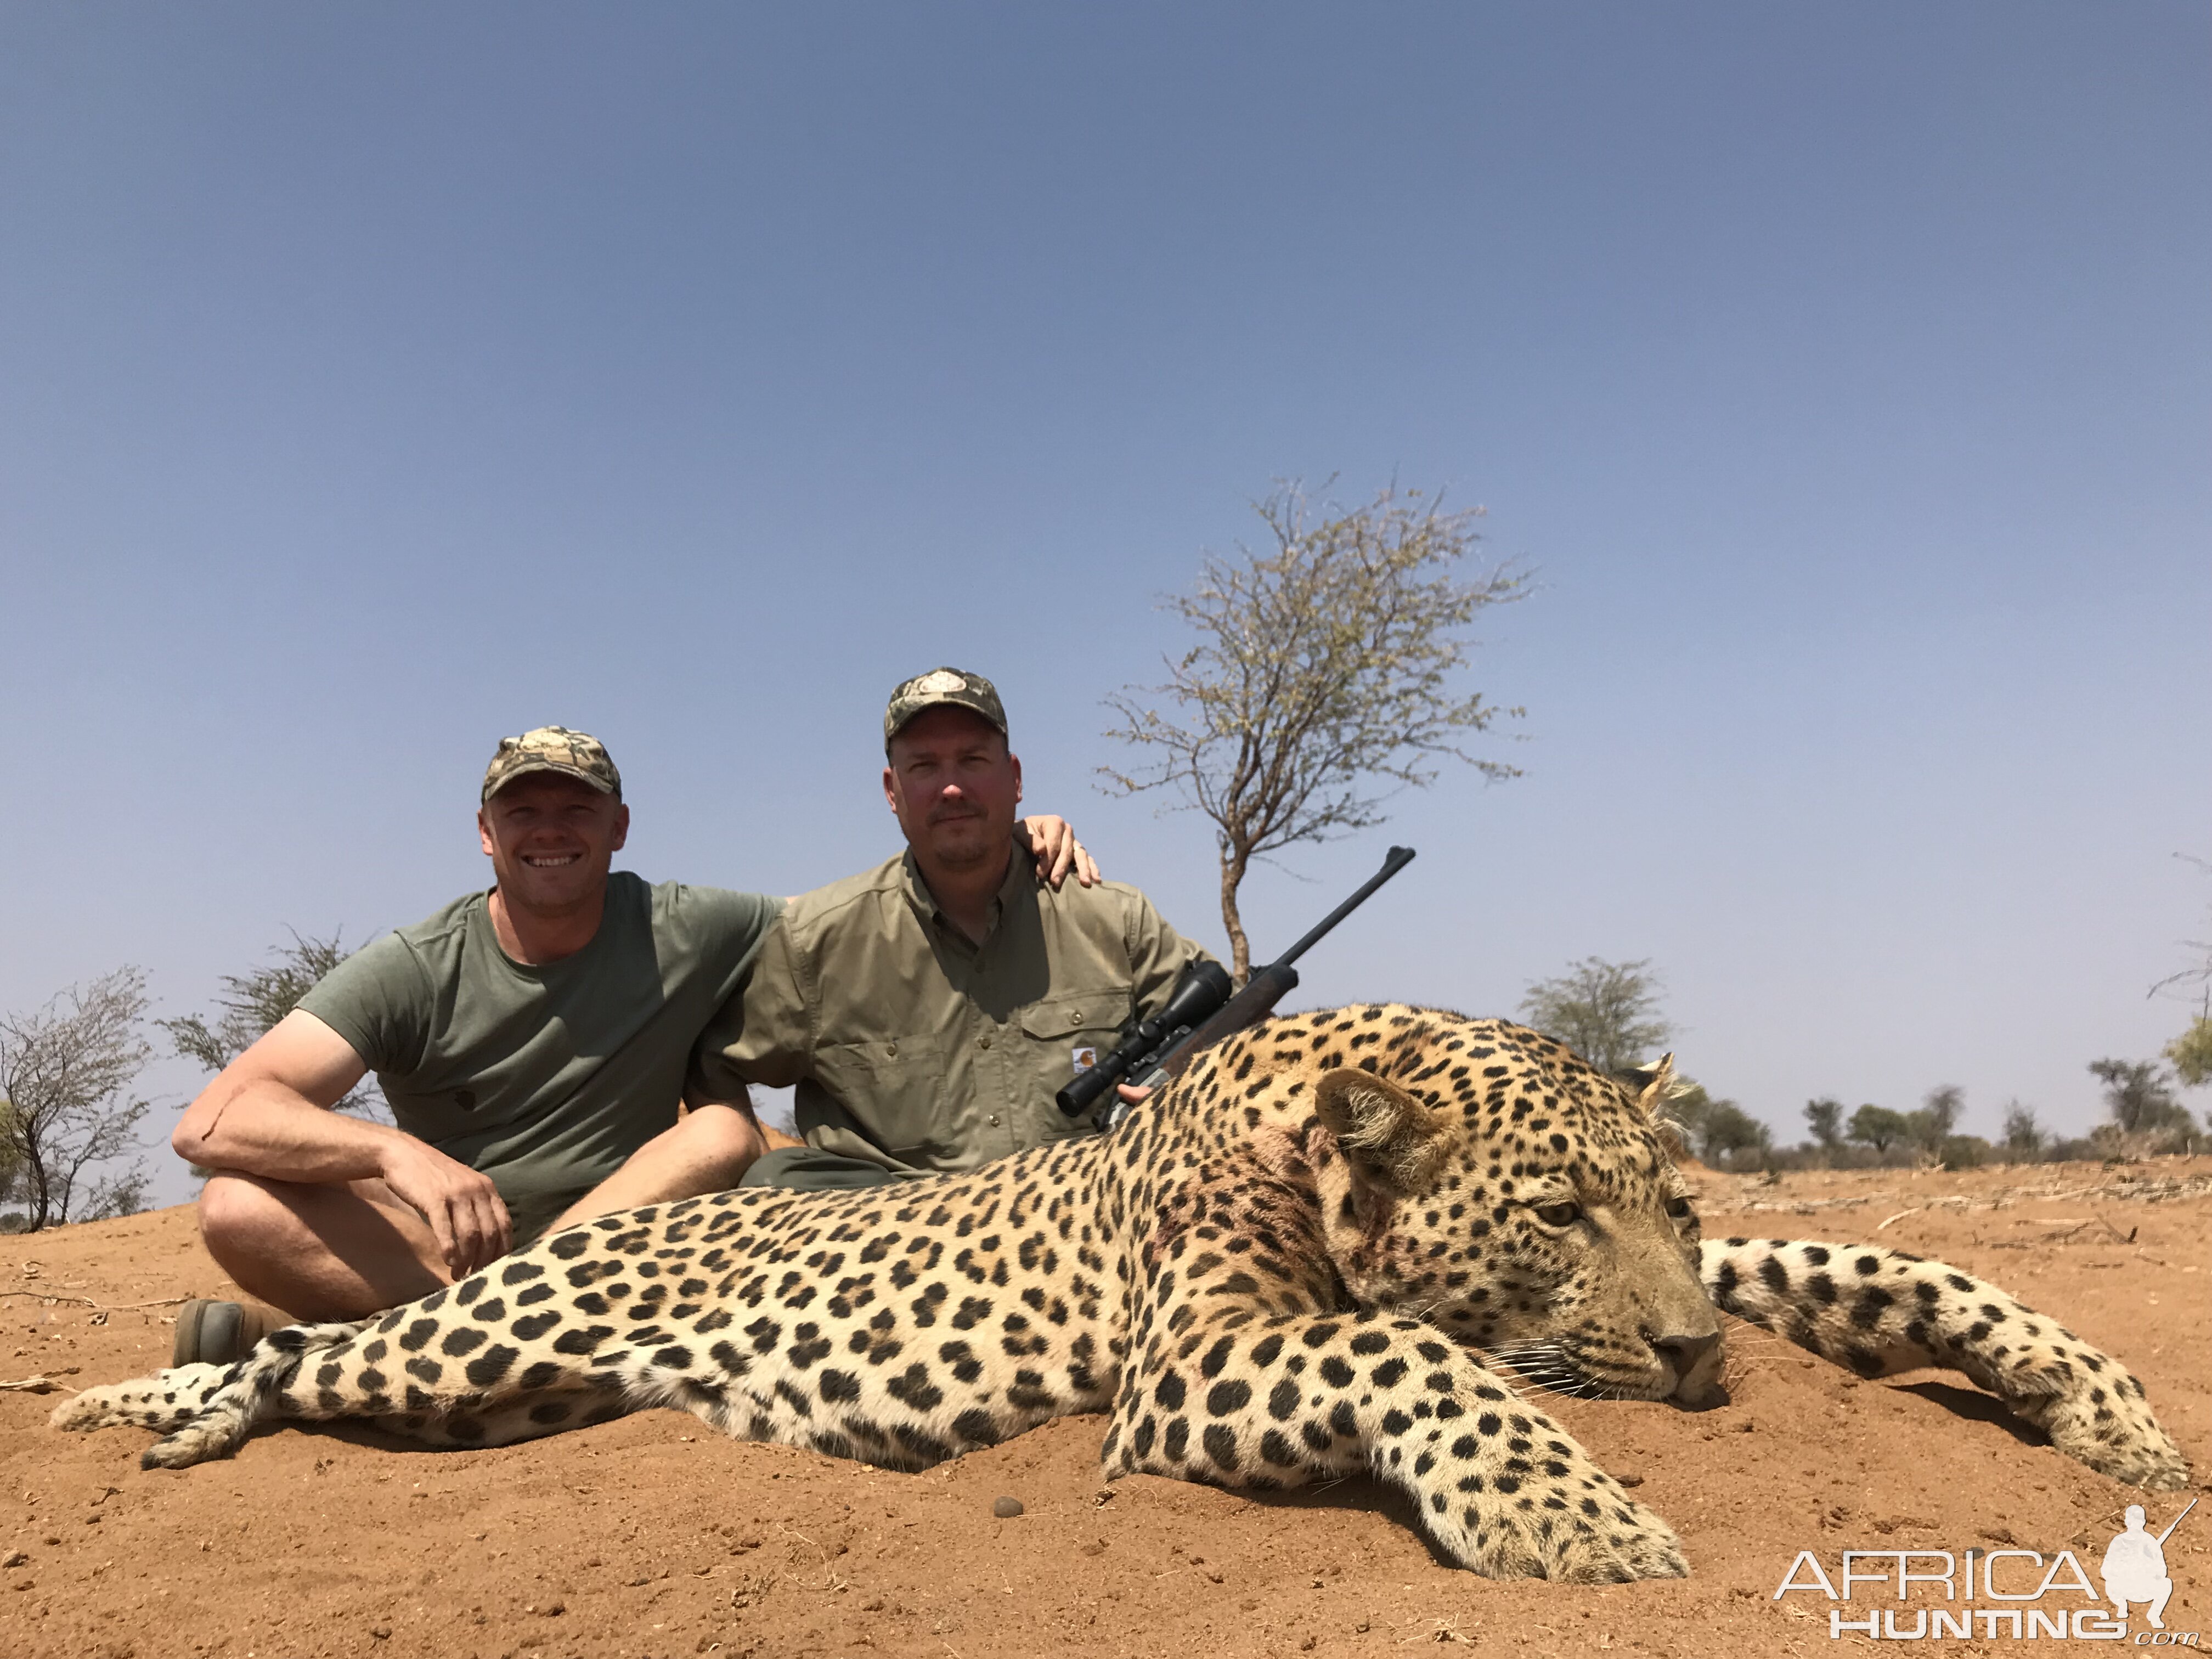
{"x":1202,"y":988}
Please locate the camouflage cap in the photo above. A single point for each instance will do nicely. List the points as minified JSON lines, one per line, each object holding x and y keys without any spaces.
{"x":553,"y":749}
{"x":938,"y":687}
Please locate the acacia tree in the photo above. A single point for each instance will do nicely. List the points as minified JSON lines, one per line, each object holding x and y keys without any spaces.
{"x":2024,"y":1141}
{"x":1321,"y":680}
{"x":1606,"y":1011}
{"x":1728,"y":1129}
{"x":1879,"y":1127}
{"x":1825,"y":1117}
{"x":1929,"y":1127}
{"x":252,"y":1003}
{"x":2191,"y":1052}
{"x":66,"y":1072}
{"x":2139,"y":1096}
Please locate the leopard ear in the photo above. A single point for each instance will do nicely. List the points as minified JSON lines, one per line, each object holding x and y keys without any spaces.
{"x":1652,"y":1084}
{"x":1388,"y":1135}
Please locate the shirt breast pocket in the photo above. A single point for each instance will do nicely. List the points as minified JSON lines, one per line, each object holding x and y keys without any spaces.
{"x":440,"y":1114}
{"x":1064,"y":1037}
{"x":895,"y":1091}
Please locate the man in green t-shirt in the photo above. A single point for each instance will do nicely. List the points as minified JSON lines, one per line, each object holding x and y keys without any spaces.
{"x":533,"y":1041}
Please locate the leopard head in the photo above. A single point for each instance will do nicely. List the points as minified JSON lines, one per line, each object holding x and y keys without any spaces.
{"x":1491,"y":1183}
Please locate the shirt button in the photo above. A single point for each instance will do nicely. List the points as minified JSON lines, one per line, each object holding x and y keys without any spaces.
{"x":892,"y":1052}
{"x":994,"y":1120}
{"x":982,"y":1043}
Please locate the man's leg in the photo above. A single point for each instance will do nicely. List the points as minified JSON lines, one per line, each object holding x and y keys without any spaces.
{"x":2161,"y":1591}
{"x":342,"y":1251}
{"x":352,"y":1249}
{"x":709,"y":1151}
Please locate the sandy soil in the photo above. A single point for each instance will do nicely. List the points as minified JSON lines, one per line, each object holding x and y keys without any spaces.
{"x":653,"y":1537}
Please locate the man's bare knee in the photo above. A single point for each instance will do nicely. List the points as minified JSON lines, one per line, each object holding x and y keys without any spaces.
{"x":718,"y":1137}
{"x":338,"y":1251}
{"x":240,"y":1212}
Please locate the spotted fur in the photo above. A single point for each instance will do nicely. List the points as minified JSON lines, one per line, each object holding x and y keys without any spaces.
{"x":1289,"y":1266}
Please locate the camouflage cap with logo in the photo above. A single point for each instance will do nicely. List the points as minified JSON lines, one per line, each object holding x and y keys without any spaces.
{"x":936,"y":688}
{"x":553,"y":749}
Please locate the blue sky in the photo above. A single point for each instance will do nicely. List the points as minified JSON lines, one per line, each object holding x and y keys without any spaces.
{"x":377,"y":381}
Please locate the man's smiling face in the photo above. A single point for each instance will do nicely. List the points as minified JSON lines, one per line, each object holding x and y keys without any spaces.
{"x":550,"y":840}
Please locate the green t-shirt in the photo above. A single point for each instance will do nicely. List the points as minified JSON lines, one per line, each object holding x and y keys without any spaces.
{"x":546,"y":1079}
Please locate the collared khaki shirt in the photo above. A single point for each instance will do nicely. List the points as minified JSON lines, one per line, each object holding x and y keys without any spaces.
{"x":912,"y":1047}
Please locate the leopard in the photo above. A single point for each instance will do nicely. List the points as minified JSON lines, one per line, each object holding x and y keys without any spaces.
{"x":1357,"y":1241}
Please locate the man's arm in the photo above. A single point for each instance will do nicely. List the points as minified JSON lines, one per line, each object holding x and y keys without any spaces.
{"x":268,"y":1113}
{"x":1157,"y":956}
{"x":762,"y":1033}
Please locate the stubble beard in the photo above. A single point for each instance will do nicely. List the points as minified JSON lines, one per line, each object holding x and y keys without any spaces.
{"x":964,"y":844}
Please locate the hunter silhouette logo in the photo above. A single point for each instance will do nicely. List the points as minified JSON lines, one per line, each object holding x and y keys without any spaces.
{"x":2018,"y":1594}
{"x":2134,"y":1568}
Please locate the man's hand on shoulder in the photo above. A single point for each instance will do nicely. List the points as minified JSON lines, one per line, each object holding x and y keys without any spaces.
{"x":1052,"y":841}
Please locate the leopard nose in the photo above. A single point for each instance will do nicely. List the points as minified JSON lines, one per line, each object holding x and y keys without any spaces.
{"x":1686,"y":1354}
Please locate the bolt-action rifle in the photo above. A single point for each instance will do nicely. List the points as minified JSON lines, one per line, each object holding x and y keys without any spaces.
{"x":1203,"y":1009}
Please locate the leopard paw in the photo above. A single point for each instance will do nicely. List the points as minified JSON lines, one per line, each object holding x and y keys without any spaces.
{"x":1616,"y":1547}
{"x":1596,"y":1534}
{"x":162,"y":1402}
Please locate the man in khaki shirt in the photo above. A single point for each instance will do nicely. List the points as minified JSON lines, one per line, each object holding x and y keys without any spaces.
{"x":928,"y":1010}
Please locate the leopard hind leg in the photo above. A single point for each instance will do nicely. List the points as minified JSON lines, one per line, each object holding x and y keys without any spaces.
{"x":325,"y":1373}
{"x":243,"y":1395}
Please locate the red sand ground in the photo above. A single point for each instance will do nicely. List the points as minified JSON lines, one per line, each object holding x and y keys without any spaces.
{"x":652,"y":1536}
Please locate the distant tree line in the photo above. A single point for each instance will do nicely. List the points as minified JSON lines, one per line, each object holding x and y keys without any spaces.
{"x":1609,"y":1014}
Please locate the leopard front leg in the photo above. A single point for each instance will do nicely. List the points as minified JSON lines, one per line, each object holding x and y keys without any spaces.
{"x":1503,"y":1489}
{"x":1883,"y":1311}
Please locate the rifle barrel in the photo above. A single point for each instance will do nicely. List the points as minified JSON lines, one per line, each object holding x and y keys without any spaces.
{"x":2176,"y":1522}
{"x":1396,"y":860}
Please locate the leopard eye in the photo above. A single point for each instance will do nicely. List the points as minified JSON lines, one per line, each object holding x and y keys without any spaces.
{"x":1678,"y":1207}
{"x":1558,"y":1215}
